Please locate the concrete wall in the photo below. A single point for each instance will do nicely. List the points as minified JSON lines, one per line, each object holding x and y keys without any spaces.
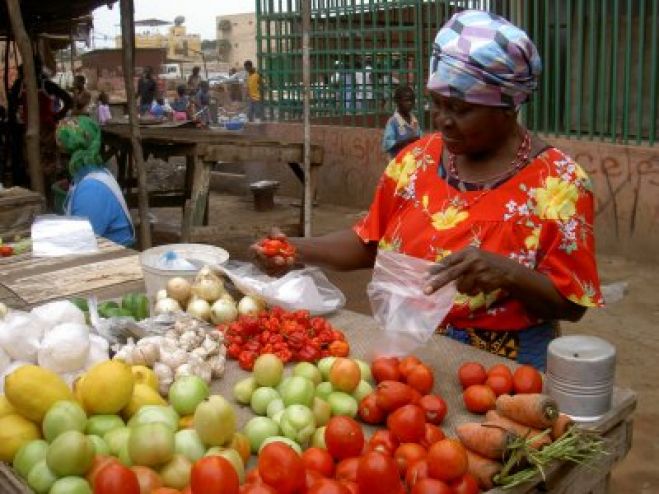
{"x":625,"y":178}
{"x":241,"y":35}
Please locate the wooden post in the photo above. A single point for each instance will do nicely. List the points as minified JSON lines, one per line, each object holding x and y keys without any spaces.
{"x":30,"y":80}
{"x":128,"y":53}
{"x":306,"y":82}
{"x":73,"y":55}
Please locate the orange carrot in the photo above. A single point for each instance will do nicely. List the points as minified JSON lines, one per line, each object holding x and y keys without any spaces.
{"x":482,"y":469}
{"x":488,"y":441}
{"x":492,"y":417}
{"x":534,"y":410}
{"x":561,"y":426}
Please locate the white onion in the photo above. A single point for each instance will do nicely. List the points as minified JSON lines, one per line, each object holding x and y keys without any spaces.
{"x":209,"y":288}
{"x":223,"y":311}
{"x":161,"y":294}
{"x":227,"y":296}
{"x":200,"y":309}
{"x":179,"y":289}
{"x":249,"y":306}
{"x":166,"y":305}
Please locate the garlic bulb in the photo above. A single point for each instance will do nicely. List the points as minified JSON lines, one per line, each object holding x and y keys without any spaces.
{"x":216,"y":363}
{"x":183,"y":370}
{"x":145,"y":354}
{"x":204,"y":371}
{"x":125,"y":353}
{"x":189,"y":341}
{"x":211,"y":347}
{"x":165,"y":377}
{"x":200,"y":353}
{"x":173,"y":359}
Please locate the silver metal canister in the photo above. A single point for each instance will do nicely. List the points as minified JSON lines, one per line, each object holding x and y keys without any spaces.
{"x":580,"y":372}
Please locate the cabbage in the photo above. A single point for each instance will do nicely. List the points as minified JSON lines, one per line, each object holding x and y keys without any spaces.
{"x":58,"y":312}
{"x":65,"y":348}
{"x":98,"y":350}
{"x":20,"y":334}
{"x":12,"y":367}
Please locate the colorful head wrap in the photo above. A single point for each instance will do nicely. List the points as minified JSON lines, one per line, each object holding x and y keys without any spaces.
{"x":81,"y":138}
{"x":482,"y":58}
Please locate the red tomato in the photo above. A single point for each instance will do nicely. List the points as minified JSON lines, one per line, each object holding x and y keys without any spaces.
{"x":391,"y":395}
{"x":99,"y":463}
{"x":253,"y":476}
{"x":344,"y":437}
{"x":378,"y":473}
{"x":165,"y":490}
{"x":407,"y":455}
{"x":369,"y":411}
{"x":434,"y":407}
{"x":500,"y":383}
{"x":147,"y":478}
{"x":408,"y":423}
{"x":114,"y":478}
{"x":352,"y":487}
{"x":328,"y":486}
{"x":344,"y":375}
{"x":407,"y":364}
{"x":421,"y":379}
{"x":479,"y":398}
{"x":432,"y":435}
{"x":385,"y":369}
{"x":311,"y":477}
{"x":499,"y":369}
{"x":213,"y":474}
{"x":281,"y":467}
{"x":320,"y":460}
{"x":466,"y":484}
{"x":431,"y":486}
{"x":471,"y":373}
{"x":416,"y":472}
{"x":447,"y":460}
{"x":383,"y":441}
{"x":527,"y":380}
{"x":187,"y":490}
{"x":346,"y":470}
{"x":6,"y":250}
{"x":257,"y":489}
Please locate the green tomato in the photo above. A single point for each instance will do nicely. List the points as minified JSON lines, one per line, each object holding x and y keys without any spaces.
{"x":277,"y":417}
{"x":61,"y":417}
{"x":41,"y":478}
{"x":261,"y":398}
{"x":318,"y":439}
{"x":298,"y":423}
{"x":274,"y":406}
{"x":308,"y":370}
{"x":124,"y":456}
{"x":29,"y":455}
{"x":100,"y":425}
{"x":258,"y":430}
{"x":188,"y":443}
{"x":150,"y":414}
{"x":244,"y":389}
{"x":71,"y":453}
{"x":71,"y":485}
{"x":324,"y":366}
{"x":116,"y":438}
{"x":322,"y":412}
{"x":298,"y":391}
{"x":362,"y":390}
{"x":342,"y":404}
{"x":323,"y":390}
{"x":100,"y":446}
{"x":268,"y":370}
{"x":365,"y":370}
{"x":186,"y":393}
{"x":281,"y":439}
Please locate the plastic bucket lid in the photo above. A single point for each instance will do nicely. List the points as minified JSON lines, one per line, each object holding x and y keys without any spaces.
{"x":199,"y":255}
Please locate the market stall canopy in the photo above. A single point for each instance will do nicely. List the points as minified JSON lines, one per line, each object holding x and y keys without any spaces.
{"x":52,"y":16}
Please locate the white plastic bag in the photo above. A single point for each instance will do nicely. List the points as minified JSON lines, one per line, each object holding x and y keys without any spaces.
{"x":306,"y":288}
{"x":408,"y":317}
{"x":54,"y":236}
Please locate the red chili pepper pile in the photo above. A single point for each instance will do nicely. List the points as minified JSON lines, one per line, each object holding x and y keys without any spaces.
{"x":292,"y":336}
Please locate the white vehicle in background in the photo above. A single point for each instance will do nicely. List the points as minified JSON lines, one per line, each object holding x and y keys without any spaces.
{"x":170,"y":72}
{"x":63,"y":79}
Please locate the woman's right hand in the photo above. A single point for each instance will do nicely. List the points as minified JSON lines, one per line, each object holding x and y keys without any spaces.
{"x":269,"y":257}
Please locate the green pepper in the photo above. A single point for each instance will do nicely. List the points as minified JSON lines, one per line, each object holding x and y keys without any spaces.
{"x":137,"y":304}
{"x":80,"y":303}
{"x":117,"y":312}
{"x":104,"y":307}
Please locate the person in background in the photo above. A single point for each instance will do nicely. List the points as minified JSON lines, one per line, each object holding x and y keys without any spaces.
{"x":81,"y":97}
{"x":254,"y":90}
{"x":194,"y":80}
{"x":159,"y":108}
{"x":94,"y":193}
{"x":202,"y":100}
{"x":493,"y":208}
{"x":402,"y":127}
{"x":235,"y":93}
{"x":103,"y":112}
{"x":146,"y":90}
{"x":181,"y":104}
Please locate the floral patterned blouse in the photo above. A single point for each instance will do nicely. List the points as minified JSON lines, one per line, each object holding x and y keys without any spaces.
{"x":542,"y":217}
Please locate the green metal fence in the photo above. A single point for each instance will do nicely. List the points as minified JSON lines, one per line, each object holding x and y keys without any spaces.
{"x":600,"y":61}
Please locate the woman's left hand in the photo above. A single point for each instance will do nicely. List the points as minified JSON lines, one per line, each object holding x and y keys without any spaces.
{"x":474,"y":271}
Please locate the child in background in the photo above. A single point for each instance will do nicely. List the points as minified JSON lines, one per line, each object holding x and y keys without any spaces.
{"x":160,"y":109}
{"x":181,"y":104}
{"x":103,"y":110}
{"x":402,"y":127}
{"x":202,"y":101}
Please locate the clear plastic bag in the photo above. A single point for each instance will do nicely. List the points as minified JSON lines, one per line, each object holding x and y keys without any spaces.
{"x":408,"y":317}
{"x":54,"y":236}
{"x":306,"y":288}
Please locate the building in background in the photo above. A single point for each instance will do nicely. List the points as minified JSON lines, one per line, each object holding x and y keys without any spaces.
{"x":236,"y":39}
{"x":179,"y":45}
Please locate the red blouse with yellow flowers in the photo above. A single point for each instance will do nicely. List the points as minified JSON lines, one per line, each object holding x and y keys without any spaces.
{"x":542,"y":217}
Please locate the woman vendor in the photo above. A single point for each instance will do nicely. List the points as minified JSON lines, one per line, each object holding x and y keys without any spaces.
{"x":94,"y":194}
{"x":506,"y":216}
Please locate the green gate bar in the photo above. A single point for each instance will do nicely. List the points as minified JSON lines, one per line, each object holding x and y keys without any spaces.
{"x":600,"y":59}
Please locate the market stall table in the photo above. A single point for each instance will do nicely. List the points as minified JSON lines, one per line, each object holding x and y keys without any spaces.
{"x":202,"y":148}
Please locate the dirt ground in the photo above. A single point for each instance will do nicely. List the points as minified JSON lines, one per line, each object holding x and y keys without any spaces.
{"x":629,"y":324}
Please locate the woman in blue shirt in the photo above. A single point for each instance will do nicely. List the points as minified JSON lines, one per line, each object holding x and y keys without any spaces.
{"x":94,"y":194}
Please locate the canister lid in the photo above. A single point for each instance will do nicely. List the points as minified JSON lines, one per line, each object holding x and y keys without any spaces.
{"x":581,"y":358}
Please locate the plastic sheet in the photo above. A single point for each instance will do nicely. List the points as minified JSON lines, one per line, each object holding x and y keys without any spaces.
{"x":54,"y":236}
{"x":408,"y":317}
{"x":306,"y":288}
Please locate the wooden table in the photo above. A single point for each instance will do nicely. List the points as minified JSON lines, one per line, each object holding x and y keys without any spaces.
{"x":203,"y":148}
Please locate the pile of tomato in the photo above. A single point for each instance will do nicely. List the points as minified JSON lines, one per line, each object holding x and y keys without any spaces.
{"x":481,"y":387}
{"x":292,"y":336}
